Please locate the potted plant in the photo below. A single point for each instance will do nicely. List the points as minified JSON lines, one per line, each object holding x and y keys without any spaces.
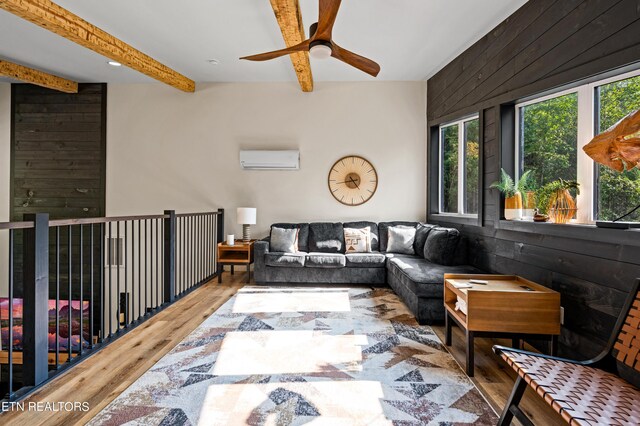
{"x":556,"y":200}
{"x":512,"y":195}
{"x":525,"y":187}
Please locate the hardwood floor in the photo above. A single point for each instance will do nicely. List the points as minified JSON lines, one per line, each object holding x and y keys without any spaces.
{"x":102,"y":377}
{"x":495,"y":379}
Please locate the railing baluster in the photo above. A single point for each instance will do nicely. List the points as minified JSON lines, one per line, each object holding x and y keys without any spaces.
{"x":126,"y":278}
{"x":163,"y":264}
{"x":184,"y":255}
{"x":139,"y":269}
{"x":110,"y":263}
{"x":196,"y":253}
{"x":219,"y":236}
{"x":103,"y":297}
{"x":207,"y":246}
{"x":92,"y":269}
{"x":201,"y":248}
{"x":11,"y":238}
{"x":212,"y":244}
{"x":146,"y":268}
{"x":157,"y":260}
{"x":150,"y":283}
{"x":193,"y":252}
{"x":70,"y":272}
{"x":118,"y":263}
{"x":81,"y":340}
{"x":57,"y":297}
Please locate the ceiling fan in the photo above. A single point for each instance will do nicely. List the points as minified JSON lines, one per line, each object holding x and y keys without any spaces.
{"x":320,"y":45}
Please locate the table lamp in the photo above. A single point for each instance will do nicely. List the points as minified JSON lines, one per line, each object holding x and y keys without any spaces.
{"x":246,"y":217}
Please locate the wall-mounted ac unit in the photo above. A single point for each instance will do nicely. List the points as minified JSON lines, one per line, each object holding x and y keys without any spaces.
{"x":270,"y":160}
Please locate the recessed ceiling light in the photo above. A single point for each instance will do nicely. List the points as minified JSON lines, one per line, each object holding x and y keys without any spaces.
{"x":213,"y":61}
{"x":114,"y":64}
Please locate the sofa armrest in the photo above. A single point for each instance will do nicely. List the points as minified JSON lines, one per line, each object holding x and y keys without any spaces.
{"x":260,"y":249}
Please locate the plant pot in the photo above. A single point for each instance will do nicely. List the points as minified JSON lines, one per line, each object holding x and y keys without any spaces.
{"x":562,"y":206}
{"x":529,"y":205}
{"x":513,"y":207}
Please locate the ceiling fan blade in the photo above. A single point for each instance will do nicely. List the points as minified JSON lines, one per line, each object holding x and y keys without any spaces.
{"x":355,"y":60}
{"x":277,"y":53}
{"x":326,"y":18}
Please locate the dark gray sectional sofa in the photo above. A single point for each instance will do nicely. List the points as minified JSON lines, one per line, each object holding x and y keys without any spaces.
{"x":321,"y":259}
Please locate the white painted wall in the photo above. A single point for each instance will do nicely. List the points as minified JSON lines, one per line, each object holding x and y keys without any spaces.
{"x":168,"y":149}
{"x":5,"y":163}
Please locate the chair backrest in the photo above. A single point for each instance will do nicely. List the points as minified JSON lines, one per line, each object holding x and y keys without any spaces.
{"x":626,"y":349}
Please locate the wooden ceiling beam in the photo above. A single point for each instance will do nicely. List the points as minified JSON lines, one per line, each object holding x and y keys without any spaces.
{"x":58,"y":20}
{"x":40,"y":78}
{"x":290,"y":21}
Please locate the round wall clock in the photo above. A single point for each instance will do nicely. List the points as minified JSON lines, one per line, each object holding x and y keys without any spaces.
{"x":353,"y":180}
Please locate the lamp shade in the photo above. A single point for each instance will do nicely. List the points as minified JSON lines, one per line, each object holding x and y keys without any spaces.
{"x":246,"y":215}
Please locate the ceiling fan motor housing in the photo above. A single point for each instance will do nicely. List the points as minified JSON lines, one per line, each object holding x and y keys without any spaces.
{"x":320,"y":49}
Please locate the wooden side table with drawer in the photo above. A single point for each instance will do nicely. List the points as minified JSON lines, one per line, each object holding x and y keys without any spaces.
{"x":241,"y":253}
{"x":506,"y":306}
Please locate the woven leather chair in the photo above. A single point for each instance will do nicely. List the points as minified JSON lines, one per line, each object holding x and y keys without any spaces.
{"x":601,"y":391}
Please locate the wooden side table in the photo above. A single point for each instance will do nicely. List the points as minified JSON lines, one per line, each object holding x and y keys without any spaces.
{"x":240,"y":253}
{"x":507,"y":306}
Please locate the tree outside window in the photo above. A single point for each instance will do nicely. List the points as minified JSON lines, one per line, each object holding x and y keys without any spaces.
{"x":459,"y":167}
{"x":549,"y":139}
{"x":618,"y":193}
{"x":471,"y":169}
{"x":449,"y":137}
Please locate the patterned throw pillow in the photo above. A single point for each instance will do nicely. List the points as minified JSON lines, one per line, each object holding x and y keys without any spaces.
{"x":284,"y":240}
{"x":401,"y":239}
{"x":357,"y":240}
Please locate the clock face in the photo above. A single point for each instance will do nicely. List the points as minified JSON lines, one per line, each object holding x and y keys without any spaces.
{"x":353,"y":180}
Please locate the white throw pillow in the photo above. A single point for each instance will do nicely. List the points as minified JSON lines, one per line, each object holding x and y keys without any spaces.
{"x":284,"y":240}
{"x":357,"y":240}
{"x":401,"y":239}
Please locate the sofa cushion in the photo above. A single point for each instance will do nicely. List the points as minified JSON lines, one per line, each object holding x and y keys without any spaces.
{"x":422,"y":232}
{"x":373,"y":230}
{"x":284,"y":240}
{"x":383,"y":231}
{"x":286,"y":260}
{"x":326,"y":237}
{"x":365,"y":260}
{"x":423,"y":278}
{"x":400,"y":239}
{"x":441,"y":244}
{"x":325,"y":260}
{"x":303,"y":234}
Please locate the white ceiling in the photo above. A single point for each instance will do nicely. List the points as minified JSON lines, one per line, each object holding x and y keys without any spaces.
{"x":410,"y":39}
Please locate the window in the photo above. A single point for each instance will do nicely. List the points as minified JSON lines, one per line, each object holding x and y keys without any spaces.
{"x":459,"y":167}
{"x":550,"y":134}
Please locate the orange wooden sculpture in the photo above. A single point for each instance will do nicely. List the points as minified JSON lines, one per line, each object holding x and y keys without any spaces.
{"x":619,"y":146}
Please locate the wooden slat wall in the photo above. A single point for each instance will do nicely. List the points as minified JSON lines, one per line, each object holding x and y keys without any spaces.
{"x":58,"y":152}
{"x":545,"y":45}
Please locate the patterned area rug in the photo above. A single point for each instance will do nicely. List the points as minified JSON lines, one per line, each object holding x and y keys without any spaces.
{"x":293,"y":356}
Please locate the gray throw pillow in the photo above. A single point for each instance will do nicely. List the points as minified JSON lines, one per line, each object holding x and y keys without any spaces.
{"x":284,"y":240}
{"x":441,"y":244}
{"x":400,"y":239}
{"x":422,"y":232}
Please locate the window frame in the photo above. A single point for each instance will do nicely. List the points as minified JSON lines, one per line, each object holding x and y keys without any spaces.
{"x":588,"y":119}
{"x":461,"y":167}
